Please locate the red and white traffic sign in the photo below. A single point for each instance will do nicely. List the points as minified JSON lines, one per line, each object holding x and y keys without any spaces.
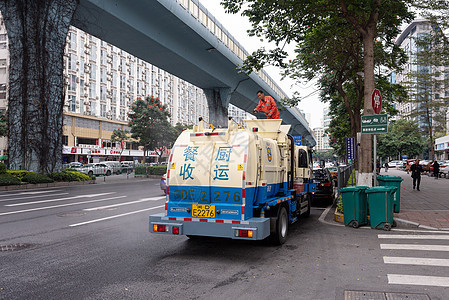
{"x":377,"y":101}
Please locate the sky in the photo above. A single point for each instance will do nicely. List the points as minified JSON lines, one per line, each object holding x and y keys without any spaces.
{"x":237,"y":26}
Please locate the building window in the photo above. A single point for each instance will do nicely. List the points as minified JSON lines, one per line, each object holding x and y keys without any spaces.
{"x":3,"y":37}
{"x":114,"y":96}
{"x":92,"y":90}
{"x":103,"y":110}
{"x":102,"y":75}
{"x":72,"y":103}
{"x":72,"y":83}
{"x":93,"y":52}
{"x":93,"y":71}
{"x":72,"y":38}
{"x":103,"y":93}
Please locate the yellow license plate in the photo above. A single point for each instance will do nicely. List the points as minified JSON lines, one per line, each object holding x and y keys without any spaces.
{"x":203,"y":211}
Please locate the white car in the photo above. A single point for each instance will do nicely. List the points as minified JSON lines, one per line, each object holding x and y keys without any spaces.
{"x":394,"y":164}
{"x":445,"y":170}
{"x":96,"y":169}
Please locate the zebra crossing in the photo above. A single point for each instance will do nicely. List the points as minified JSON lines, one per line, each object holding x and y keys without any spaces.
{"x":426,"y":252}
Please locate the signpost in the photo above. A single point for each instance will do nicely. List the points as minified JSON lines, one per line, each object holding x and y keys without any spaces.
{"x":376,"y":101}
{"x":298,"y":140}
{"x":375,"y":124}
{"x":350,"y":148}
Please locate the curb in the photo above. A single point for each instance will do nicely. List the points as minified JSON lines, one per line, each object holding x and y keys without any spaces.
{"x":43,"y":185}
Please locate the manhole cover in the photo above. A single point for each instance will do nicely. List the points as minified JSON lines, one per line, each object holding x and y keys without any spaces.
{"x":366,"y":295}
{"x":73,"y":214}
{"x":15,"y":247}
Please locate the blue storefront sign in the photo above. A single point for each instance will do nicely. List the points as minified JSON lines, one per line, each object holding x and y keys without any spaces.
{"x":350,"y":148}
{"x":298,"y":140}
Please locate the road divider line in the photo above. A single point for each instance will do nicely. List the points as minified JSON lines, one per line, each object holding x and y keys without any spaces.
{"x":29,"y":193}
{"x":61,"y":199}
{"x":33,"y":197}
{"x":414,"y":247}
{"x":116,"y":216}
{"x":418,"y":280}
{"x":413,"y":237}
{"x":419,"y":261}
{"x":56,"y":206}
{"x":420,"y":231}
{"x":125,"y":203}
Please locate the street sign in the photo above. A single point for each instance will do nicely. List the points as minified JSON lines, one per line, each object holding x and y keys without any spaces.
{"x":298,"y":140}
{"x":404,"y":156}
{"x":376,"y":98}
{"x":374,"y":124}
{"x":350,"y":148}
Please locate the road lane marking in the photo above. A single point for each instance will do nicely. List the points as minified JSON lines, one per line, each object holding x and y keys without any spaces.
{"x":418,"y":280}
{"x":414,"y":247}
{"x":61,"y":199}
{"x":419,"y":261}
{"x":116,"y":216}
{"x":60,"y":205}
{"x":413,"y":237}
{"x":22,"y":198}
{"x":29,"y":193}
{"x":125,"y":203}
{"x":420,"y":231}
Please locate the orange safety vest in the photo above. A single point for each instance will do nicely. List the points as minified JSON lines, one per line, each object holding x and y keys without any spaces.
{"x":268,"y":105}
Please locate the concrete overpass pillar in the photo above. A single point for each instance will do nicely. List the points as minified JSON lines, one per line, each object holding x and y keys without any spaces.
{"x":218,"y":101}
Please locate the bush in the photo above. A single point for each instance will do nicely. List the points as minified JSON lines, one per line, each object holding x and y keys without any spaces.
{"x":19,"y":174}
{"x":70,"y":175}
{"x":159,"y":170}
{"x":2,"y":168}
{"x":36,"y":178}
{"x":351,"y":182}
{"x":140,"y":171}
{"x":8,"y":179}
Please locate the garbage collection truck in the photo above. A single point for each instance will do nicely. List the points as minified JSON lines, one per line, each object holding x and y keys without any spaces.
{"x":241,"y":183}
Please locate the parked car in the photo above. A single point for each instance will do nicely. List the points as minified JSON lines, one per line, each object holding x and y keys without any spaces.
{"x":115,"y":165}
{"x":445,"y":170}
{"x":324,"y":185}
{"x":72,"y":165}
{"x":96,"y":169}
{"x":394,"y":164}
{"x":334,"y":174}
{"x":127,"y":166}
{"x":163,"y":183}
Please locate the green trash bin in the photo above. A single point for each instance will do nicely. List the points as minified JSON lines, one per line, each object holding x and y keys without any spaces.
{"x":380,"y":203}
{"x":354,"y":205}
{"x":396,"y":182}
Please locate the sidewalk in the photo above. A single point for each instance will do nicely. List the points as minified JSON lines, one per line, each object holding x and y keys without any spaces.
{"x":428,"y":207}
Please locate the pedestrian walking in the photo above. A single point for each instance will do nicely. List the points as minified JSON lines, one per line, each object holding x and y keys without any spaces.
{"x":416,"y":169}
{"x":386,"y":167}
{"x":436,"y":169}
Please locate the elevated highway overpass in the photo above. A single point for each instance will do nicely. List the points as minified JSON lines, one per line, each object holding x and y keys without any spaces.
{"x":183,"y":38}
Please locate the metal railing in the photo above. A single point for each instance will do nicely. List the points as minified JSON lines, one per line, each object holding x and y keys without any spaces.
{"x":343,"y":176}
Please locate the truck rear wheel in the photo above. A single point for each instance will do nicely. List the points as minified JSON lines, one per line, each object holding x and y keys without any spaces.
{"x":280,"y":235}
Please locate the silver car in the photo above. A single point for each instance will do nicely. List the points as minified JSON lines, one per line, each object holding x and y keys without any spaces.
{"x":96,"y":169}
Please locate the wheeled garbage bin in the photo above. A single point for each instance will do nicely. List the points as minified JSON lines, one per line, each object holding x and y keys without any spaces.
{"x":396,"y":182}
{"x":380,"y":203}
{"x":354,"y":205}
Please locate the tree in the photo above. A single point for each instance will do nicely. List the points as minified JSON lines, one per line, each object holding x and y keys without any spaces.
{"x":403,"y":138}
{"x":149,"y":122}
{"x":284,"y":22}
{"x":119,"y":135}
{"x":3,"y":124}
{"x":37,"y":31}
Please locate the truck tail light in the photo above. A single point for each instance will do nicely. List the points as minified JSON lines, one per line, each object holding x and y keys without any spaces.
{"x":325,"y":184}
{"x":175,"y":230}
{"x":243,"y":233}
{"x":159,"y":228}
{"x":166,"y":204}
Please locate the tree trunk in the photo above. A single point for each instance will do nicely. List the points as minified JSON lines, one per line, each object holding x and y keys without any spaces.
{"x":365,"y":158}
{"x":37,"y":31}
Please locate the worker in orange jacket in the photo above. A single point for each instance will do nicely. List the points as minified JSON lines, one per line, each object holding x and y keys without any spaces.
{"x":267,"y":105}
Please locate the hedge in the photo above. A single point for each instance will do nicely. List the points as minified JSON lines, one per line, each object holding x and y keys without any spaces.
{"x":2,"y":168}
{"x":70,"y":175}
{"x":36,"y":178}
{"x":158,"y":170}
{"x":8,"y":179}
{"x":19,"y":174}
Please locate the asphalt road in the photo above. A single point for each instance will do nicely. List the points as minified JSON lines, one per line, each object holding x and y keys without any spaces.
{"x":93,"y":242}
